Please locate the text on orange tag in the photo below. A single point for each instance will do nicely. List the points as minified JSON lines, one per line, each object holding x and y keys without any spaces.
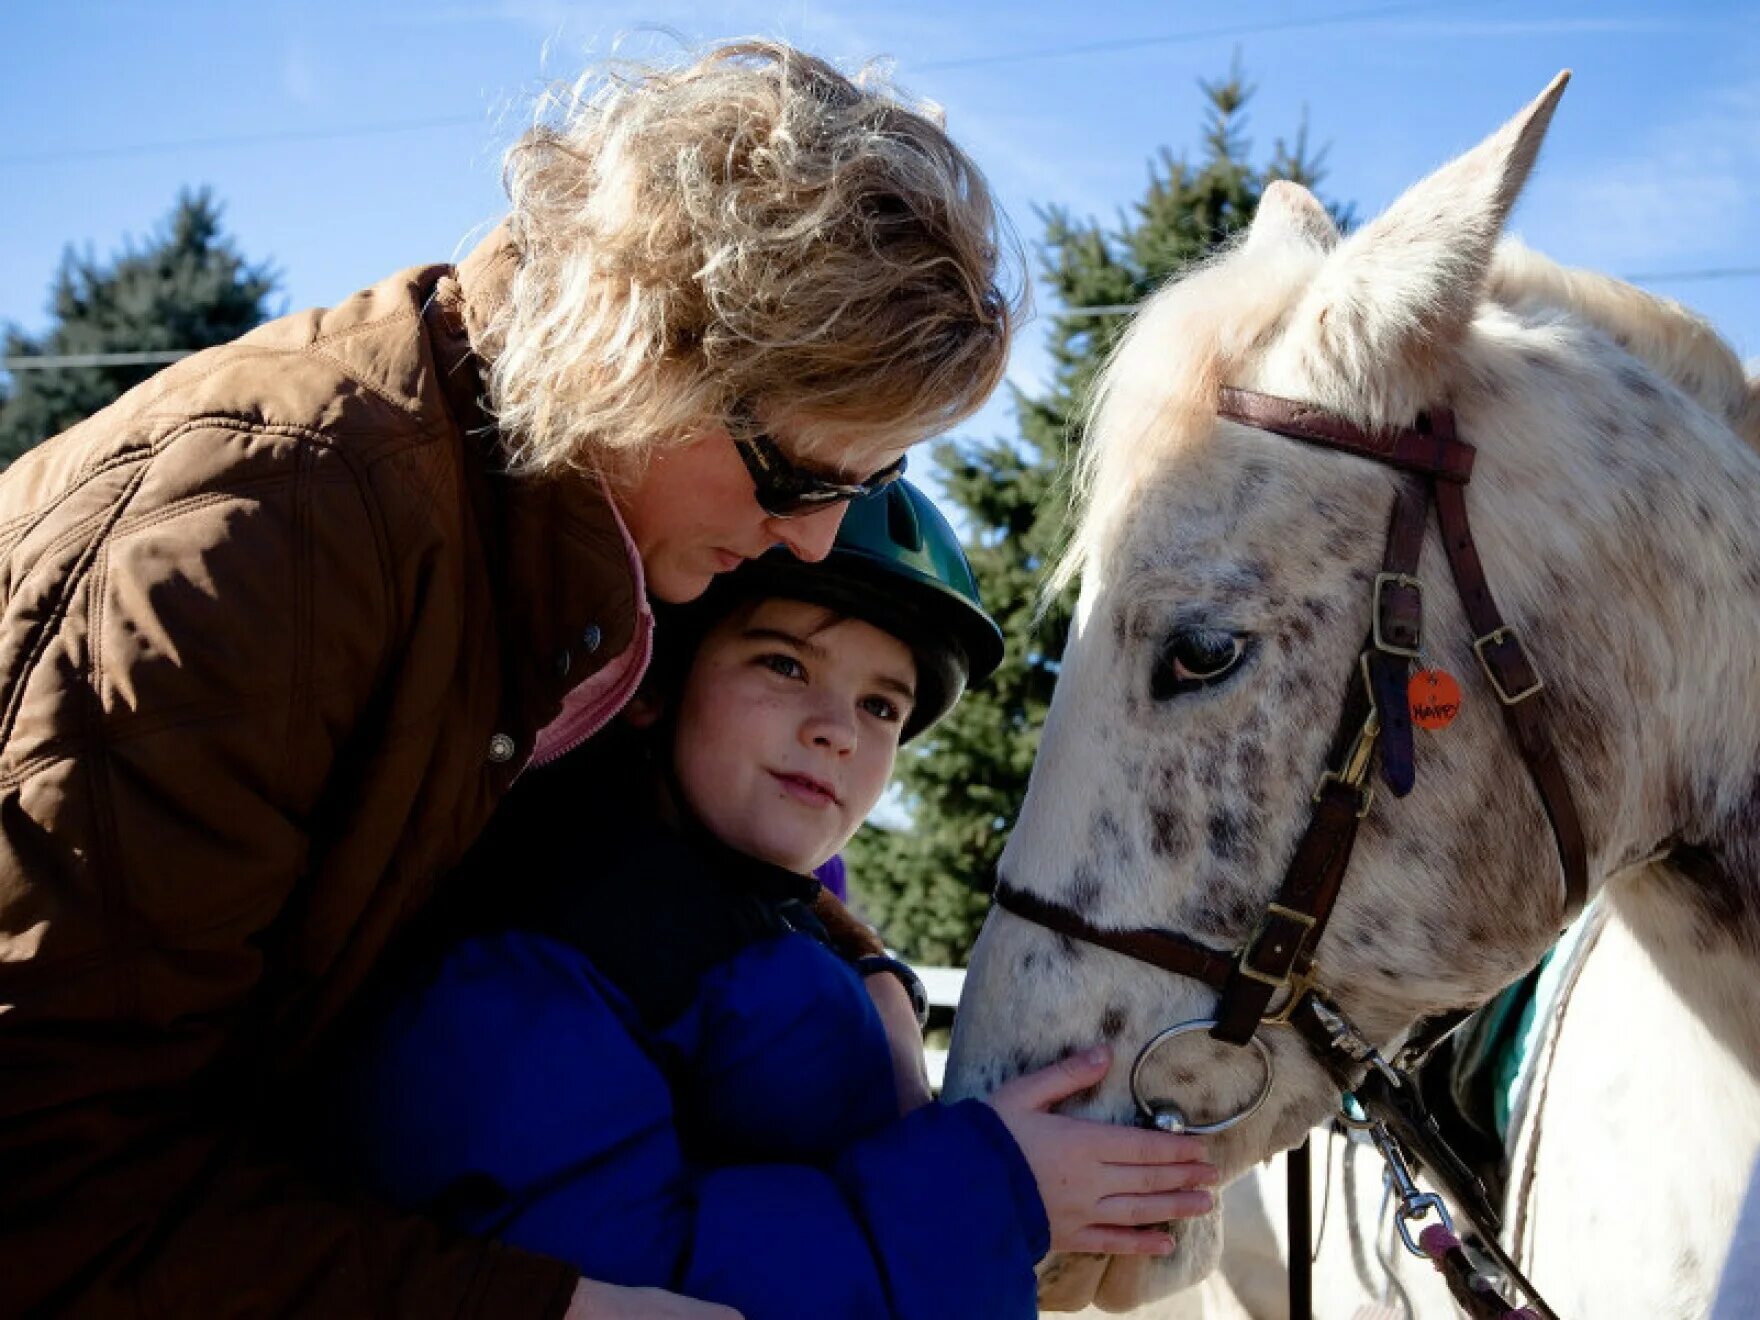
{"x":1435,"y":698}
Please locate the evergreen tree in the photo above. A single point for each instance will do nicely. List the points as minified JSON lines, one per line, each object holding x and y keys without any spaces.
{"x":927,"y":885}
{"x":186,"y":288}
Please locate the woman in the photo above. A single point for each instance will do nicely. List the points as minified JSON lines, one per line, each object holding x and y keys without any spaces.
{"x":283,"y":625}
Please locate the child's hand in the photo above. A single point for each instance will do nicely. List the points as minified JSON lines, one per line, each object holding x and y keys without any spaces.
{"x":1098,"y":1182}
{"x":910,"y":1076}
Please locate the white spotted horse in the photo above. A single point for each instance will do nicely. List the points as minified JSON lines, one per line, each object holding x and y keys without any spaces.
{"x":1326,"y":478}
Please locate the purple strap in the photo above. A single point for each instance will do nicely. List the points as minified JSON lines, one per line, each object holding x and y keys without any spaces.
{"x":832,"y":875}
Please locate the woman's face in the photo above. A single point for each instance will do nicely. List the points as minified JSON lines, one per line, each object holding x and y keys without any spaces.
{"x":694,"y":514}
{"x":787,"y":729}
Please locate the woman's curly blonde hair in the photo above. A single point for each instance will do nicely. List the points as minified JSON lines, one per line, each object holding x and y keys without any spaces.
{"x":751,"y":233}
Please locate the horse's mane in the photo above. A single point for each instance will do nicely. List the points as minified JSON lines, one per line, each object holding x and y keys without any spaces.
{"x":1677,"y":342}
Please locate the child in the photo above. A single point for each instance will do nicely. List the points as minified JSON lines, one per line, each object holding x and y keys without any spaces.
{"x":655,"y":1065}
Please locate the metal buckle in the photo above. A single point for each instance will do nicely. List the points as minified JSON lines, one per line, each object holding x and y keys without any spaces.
{"x":1356,"y":759}
{"x":1493,"y":638}
{"x":1382,"y":581}
{"x":1251,"y":972}
{"x":1300,"y":984}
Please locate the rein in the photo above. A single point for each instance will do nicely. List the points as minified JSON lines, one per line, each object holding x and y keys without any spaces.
{"x":1278,"y":957}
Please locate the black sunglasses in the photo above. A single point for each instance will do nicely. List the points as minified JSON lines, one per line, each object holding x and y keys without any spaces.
{"x":787,"y":490}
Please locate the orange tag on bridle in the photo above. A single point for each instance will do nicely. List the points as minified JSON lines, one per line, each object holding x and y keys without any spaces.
{"x":1435,"y":698}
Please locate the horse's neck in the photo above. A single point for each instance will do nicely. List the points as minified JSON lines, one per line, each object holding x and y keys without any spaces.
{"x":1700,"y":925}
{"x":1652,"y":688}
{"x":1697,"y":910}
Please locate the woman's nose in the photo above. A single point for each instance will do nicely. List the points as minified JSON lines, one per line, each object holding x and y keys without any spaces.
{"x":809,"y":538}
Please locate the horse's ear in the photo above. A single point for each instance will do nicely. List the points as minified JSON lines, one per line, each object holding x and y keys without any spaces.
{"x":1404,"y":288}
{"x":1288,"y":212}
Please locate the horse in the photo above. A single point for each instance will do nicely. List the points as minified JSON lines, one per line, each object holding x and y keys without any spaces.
{"x":1228,"y":576}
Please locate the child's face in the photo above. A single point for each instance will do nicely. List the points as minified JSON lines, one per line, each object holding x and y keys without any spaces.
{"x":787,"y":728}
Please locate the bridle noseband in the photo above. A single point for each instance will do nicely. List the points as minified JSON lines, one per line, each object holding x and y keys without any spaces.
{"x":1278,"y":956}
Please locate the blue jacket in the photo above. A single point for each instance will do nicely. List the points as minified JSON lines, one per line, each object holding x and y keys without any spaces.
{"x":661,"y":1074}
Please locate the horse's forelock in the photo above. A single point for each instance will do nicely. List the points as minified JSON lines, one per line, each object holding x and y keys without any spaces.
{"x":1157,"y":392}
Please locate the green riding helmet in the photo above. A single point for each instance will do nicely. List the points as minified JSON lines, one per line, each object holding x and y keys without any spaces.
{"x":896,"y":564}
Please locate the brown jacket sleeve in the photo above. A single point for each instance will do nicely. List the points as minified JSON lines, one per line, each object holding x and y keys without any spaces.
{"x":233,"y":755}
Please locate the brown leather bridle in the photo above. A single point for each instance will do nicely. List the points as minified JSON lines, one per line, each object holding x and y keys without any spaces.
{"x":1278,"y":957}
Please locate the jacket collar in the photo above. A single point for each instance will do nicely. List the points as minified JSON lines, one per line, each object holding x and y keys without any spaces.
{"x":565,"y":595}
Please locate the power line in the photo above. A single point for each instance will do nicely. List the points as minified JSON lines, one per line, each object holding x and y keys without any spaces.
{"x":68,"y":361}
{"x":237,"y":140}
{"x":975,"y":61}
{"x":1646,"y":277}
{"x":1669,"y":276}
{"x":1178,"y":38}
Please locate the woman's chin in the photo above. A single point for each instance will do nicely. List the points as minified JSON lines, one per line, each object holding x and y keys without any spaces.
{"x":1070,"y":1282}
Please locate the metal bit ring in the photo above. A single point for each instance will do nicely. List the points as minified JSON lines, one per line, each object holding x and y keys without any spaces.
{"x":1166,"y":1116}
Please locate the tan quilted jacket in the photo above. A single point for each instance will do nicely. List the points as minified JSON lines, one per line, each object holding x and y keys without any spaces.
{"x":274,"y":639}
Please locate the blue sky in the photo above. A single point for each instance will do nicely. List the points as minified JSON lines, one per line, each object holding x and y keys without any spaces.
{"x":1653,"y":164}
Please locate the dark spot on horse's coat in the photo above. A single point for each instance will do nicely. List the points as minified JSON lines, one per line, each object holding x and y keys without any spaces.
{"x":1108,"y":841}
{"x":1029,"y":960}
{"x":1172,"y":832}
{"x":1254,"y":477}
{"x":1112,"y":1022}
{"x":1224,"y":828}
{"x":1637,"y":381}
{"x":1242,"y":911}
{"x":1480,"y":930}
{"x":1183,"y":1078}
{"x":1208,"y":768}
{"x":1688,"y":1269}
{"x":1084,"y":888}
{"x":1249,"y":759}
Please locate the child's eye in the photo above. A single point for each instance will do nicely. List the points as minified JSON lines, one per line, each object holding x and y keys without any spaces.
{"x":785,"y":665}
{"x":881,"y":708}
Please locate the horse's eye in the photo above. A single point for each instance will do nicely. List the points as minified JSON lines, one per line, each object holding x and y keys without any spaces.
{"x":1193,"y":658}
